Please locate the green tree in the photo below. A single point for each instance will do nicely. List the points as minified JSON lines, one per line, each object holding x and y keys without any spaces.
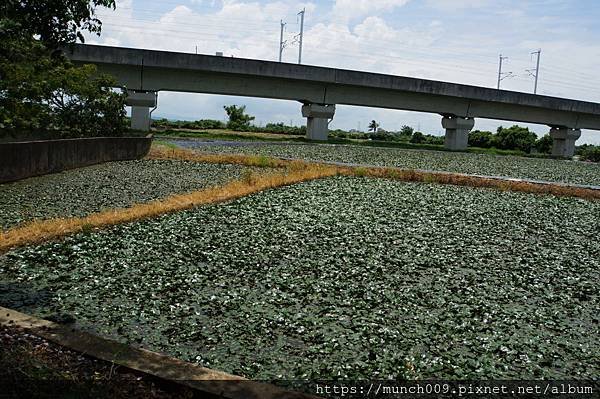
{"x":417,"y":138}
{"x":436,"y":140}
{"x":54,"y":22}
{"x":481,"y":139}
{"x":406,"y":131}
{"x":515,"y":138}
{"x":41,"y":92}
{"x":544,"y":144}
{"x":238,"y":119}
{"x":45,"y":96}
{"x":373,"y":126}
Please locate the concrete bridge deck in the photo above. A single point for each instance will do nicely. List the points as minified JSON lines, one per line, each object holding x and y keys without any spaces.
{"x":146,"y":72}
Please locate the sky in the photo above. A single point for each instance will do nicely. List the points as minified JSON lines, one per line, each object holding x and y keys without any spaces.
{"x":449,"y":40}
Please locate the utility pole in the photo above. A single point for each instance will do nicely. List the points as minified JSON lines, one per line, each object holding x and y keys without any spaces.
{"x":301,"y":13}
{"x":281,"y":42}
{"x":502,"y":75}
{"x":537,"y":70}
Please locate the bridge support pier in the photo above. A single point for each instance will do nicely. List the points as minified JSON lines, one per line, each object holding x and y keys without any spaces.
{"x":317,"y":120}
{"x":457,"y":131}
{"x":563,"y":141}
{"x":140,"y":102}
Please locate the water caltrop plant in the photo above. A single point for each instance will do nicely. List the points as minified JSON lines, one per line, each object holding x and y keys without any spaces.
{"x":339,"y":278}
{"x":480,"y":164}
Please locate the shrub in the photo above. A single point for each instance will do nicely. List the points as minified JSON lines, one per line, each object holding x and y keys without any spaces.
{"x":544,"y":144}
{"x":280,"y":128}
{"x":515,"y":138}
{"x":591,"y":153}
{"x":417,"y":138}
{"x":434,"y":140}
{"x":481,"y":139}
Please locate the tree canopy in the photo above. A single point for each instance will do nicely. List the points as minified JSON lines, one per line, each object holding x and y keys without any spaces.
{"x":238,"y":119}
{"x":53,"y":22}
{"x":515,"y":138}
{"x":407,"y":131}
{"x":41,"y":93}
{"x":373,"y":126}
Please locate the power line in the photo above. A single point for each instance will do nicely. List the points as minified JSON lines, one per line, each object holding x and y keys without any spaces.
{"x":162,"y":2}
{"x":407,"y":48}
{"x":261,"y":30}
{"x":574,"y":75}
{"x":470,"y":54}
{"x":212,"y":26}
{"x":193,"y":34}
{"x":163,"y":13}
{"x":442,"y":65}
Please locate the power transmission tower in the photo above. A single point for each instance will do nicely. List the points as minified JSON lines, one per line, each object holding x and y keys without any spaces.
{"x":502,"y":75}
{"x":282,"y":43}
{"x":537,"y":70}
{"x":301,"y":13}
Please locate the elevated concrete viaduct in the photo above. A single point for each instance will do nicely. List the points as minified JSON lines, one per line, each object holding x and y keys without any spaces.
{"x":145,"y":72}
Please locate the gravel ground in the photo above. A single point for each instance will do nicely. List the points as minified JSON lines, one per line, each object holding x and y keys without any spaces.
{"x":483,"y":164}
{"x":32,"y":367}
{"x":79,"y":192}
{"x":339,"y":278}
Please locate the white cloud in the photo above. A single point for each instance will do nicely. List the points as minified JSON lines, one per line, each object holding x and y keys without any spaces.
{"x":352,"y":9}
{"x":458,"y":4}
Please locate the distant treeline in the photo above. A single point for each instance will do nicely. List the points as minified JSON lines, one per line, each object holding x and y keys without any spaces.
{"x":515,"y":138}
{"x":211,"y":124}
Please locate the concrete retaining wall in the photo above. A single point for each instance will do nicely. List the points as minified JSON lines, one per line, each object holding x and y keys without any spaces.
{"x":20,"y":160}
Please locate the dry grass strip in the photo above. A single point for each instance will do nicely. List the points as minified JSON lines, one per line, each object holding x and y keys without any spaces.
{"x":42,"y":230}
{"x":458,"y":179}
{"x":163,"y":152}
{"x":471,"y":181}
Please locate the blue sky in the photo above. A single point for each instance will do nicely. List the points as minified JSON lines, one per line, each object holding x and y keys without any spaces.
{"x":450,"y":40}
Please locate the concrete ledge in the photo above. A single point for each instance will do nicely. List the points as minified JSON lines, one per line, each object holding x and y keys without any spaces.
{"x":20,"y":160}
{"x":207,"y":381}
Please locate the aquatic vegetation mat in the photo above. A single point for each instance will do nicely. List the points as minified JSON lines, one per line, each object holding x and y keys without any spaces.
{"x":457,"y":162}
{"x":80,"y":192}
{"x":49,"y":229}
{"x":339,"y":278}
{"x":161,"y":151}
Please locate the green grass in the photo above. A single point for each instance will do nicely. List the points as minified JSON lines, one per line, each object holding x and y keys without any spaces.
{"x":166,"y":143}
